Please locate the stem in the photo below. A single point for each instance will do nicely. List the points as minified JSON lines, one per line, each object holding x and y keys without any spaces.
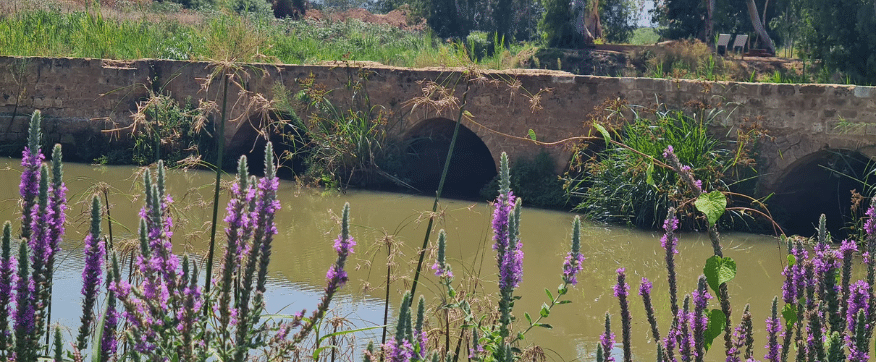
{"x":422,"y":250}
{"x":551,"y":306}
{"x":386,"y":299}
{"x":109,"y":222}
{"x":221,"y":149}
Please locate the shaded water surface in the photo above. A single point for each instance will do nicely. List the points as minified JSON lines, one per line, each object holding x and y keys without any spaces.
{"x":308,"y":225}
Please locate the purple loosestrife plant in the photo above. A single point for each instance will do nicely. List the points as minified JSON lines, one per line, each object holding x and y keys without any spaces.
{"x":335,"y":278}
{"x":699,"y":320}
{"x":41,"y":252}
{"x":773,"y":329}
{"x":266,"y":207}
{"x":685,"y":342}
{"x":441,"y":268}
{"x":156,"y":307}
{"x":509,"y":252}
{"x":91,"y":274}
{"x":858,"y":301}
{"x":574,"y":260}
{"x":606,"y":340}
{"x":669,"y":242}
{"x":621,"y":292}
{"x":237,"y":219}
{"x":742,"y":338}
{"x":108,"y":342}
{"x":24,"y":321}
{"x":847,"y":250}
{"x":645,"y":292}
{"x":7,"y":281}
{"x":31,"y":160}
{"x":259,"y":253}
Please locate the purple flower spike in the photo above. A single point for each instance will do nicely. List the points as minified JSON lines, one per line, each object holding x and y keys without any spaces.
{"x":394,"y":351}
{"x":607,"y":340}
{"x":621,"y":291}
{"x":92,"y":273}
{"x":870,"y":224}
{"x":573,"y":264}
{"x":858,"y":300}
{"x":773,"y":327}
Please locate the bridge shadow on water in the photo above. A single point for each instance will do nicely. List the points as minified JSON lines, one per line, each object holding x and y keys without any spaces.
{"x":822,"y":183}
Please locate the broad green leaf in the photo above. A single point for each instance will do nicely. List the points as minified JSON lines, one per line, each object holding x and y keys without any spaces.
{"x":545,"y":311}
{"x":97,"y":337}
{"x":719,"y":270}
{"x":712,"y":204}
{"x":531,"y":134}
{"x":714,"y":328}
{"x":789,"y":313}
{"x":319,"y":350}
{"x":791,"y":260}
{"x":649,"y":174}
{"x":604,"y":133}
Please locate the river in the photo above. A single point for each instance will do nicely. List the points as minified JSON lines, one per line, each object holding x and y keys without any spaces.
{"x":307,"y":226}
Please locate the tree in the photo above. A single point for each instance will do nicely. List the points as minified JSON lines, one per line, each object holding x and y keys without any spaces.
{"x":840,"y":34}
{"x":618,"y":20}
{"x":556,"y":25}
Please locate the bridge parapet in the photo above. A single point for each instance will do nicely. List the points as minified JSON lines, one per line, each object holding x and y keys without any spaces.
{"x":98,"y":94}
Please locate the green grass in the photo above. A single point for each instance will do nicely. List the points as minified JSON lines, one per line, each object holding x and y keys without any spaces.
{"x":160,"y":34}
{"x":644,"y":36}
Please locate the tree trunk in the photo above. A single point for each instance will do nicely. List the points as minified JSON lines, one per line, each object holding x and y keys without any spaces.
{"x":710,"y":23}
{"x":763,"y":19}
{"x":758,"y":27}
{"x":592,"y":24}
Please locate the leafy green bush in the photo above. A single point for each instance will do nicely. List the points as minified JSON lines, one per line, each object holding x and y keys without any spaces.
{"x":625,"y":182}
{"x":533,"y":180}
{"x":164,"y":130}
{"x":479,"y":45}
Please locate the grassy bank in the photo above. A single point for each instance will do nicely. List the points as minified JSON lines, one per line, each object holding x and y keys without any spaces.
{"x":170,"y":32}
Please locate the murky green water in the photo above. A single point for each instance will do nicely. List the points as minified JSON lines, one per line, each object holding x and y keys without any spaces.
{"x":307,"y":226}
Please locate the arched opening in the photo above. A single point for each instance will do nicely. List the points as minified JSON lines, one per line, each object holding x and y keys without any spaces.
{"x":248,"y":141}
{"x":820,"y":183}
{"x":471,"y":167}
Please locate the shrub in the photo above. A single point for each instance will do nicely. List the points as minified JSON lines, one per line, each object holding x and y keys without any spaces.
{"x":625,"y":183}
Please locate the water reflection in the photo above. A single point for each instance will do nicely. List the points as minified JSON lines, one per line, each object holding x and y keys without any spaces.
{"x":308,"y":224}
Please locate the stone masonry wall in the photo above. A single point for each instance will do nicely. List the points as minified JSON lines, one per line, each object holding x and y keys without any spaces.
{"x":80,"y":97}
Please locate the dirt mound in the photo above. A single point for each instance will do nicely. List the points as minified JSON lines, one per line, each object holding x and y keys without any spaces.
{"x":395,"y":18}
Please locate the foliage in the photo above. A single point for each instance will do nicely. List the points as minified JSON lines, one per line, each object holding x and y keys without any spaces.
{"x":491,"y":338}
{"x":164,"y":130}
{"x":691,"y":59}
{"x":166,"y":314}
{"x":623,"y":183}
{"x":618,"y":19}
{"x":340,"y":146}
{"x":839,"y":33}
{"x":556,"y":25}
{"x":645,"y":36}
{"x":534,"y":180}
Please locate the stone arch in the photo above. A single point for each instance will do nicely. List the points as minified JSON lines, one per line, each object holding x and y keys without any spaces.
{"x":426,"y":145}
{"x":820,"y":183}
{"x":247,"y":140}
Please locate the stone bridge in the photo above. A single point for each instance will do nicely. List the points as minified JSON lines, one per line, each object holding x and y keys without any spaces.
{"x":813,"y":126}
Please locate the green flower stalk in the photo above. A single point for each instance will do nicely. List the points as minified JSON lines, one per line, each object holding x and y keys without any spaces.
{"x":91,"y":275}
{"x":7,"y":276}
{"x":24,"y":325}
{"x":606,"y":342}
{"x":31,"y":159}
